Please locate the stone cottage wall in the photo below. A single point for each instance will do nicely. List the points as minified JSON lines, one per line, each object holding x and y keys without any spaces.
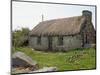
{"x":90,"y":31}
{"x":69,"y":42}
{"x":72,"y":42}
{"x":42,"y":46}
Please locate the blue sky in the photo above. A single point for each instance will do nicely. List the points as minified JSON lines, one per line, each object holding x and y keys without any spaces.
{"x":26,"y":14}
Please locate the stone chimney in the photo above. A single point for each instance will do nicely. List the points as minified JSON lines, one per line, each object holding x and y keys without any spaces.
{"x":87,"y":14}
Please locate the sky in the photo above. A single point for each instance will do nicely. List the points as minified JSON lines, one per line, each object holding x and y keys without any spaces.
{"x":28,"y":15}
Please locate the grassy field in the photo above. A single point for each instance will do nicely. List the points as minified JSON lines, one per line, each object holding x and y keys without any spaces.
{"x":71,"y":60}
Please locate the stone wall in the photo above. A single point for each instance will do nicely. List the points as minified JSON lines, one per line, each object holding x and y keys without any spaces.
{"x":69,"y":42}
{"x":91,"y":35}
{"x":42,"y":46}
{"x":88,"y":33}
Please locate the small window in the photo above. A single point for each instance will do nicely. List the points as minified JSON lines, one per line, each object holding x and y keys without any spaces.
{"x":39,"y":40}
{"x":60,"y":40}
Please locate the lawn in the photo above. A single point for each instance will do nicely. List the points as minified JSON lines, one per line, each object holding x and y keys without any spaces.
{"x":72,"y":60}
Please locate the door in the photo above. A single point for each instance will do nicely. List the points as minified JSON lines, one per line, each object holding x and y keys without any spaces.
{"x":49,"y":42}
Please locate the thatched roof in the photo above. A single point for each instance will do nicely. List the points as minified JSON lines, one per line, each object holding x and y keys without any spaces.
{"x":63,"y":26}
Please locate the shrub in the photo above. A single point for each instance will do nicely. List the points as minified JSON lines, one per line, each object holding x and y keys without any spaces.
{"x":20,"y":37}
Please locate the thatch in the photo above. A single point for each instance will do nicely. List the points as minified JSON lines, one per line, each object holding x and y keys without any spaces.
{"x":63,"y":26}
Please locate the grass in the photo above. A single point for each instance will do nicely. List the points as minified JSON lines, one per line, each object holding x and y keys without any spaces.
{"x":72,"y":60}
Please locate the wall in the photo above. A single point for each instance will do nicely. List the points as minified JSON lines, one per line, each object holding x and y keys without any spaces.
{"x":69,"y":42}
{"x":42,"y":46}
{"x":88,"y":33}
{"x":91,"y":35}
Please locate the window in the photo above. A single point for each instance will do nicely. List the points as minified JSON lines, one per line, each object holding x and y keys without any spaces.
{"x":39,"y":40}
{"x":60,"y":40}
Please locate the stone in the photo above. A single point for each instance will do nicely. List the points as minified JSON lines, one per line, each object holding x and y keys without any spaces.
{"x":21,"y":62}
{"x":22,"y":70}
{"x":45,"y":69}
{"x":90,"y":46}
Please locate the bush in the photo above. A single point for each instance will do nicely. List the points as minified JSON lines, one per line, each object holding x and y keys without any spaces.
{"x":20,"y":37}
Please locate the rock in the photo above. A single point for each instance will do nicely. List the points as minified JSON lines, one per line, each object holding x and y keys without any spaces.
{"x":32,"y":49}
{"x":18,"y":70}
{"x":21,"y":62}
{"x":45,"y":69}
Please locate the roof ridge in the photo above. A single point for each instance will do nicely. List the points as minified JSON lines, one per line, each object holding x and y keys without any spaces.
{"x":60,"y":18}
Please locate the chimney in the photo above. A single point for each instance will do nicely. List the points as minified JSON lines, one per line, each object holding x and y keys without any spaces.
{"x":87,"y":14}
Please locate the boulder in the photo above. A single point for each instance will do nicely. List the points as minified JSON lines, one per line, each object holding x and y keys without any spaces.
{"x":21,"y":63}
{"x":21,"y":60}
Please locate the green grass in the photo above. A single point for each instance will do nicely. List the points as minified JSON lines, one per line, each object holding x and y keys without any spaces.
{"x":72,"y":60}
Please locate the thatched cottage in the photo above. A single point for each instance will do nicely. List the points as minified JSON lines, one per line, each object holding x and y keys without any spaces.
{"x":64,"y":33}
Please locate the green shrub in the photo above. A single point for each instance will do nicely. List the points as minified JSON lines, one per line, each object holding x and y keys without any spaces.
{"x":20,"y":37}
